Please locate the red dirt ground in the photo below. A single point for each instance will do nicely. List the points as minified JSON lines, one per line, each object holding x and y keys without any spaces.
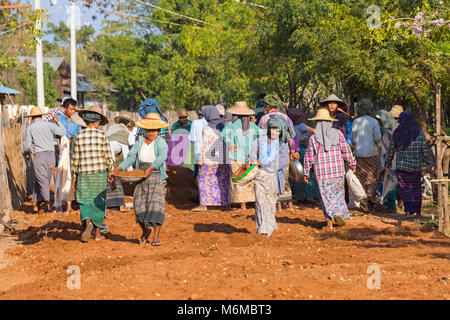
{"x":217,"y":255}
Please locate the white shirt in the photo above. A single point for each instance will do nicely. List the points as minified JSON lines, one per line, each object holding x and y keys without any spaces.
{"x":147,"y":153}
{"x":117,"y":148}
{"x":196,"y":136}
{"x":365,"y":136}
{"x":132,"y":136}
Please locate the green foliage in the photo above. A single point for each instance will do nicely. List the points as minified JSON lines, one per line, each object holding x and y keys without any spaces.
{"x":301,"y":50}
{"x":61,"y":34}
{"x":27,"y":79}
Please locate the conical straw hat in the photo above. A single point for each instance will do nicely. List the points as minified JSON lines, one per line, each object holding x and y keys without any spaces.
{"x":36,"y":112}
{"x":332,"y":98}
{"x":94,"y":109}
{"x":152,"y":121}
{"x":324,"y":115}
{"x":130,"y":121}
{"x":240,"y":108}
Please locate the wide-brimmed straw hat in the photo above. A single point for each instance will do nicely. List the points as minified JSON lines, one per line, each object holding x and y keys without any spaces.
{"x":240,"y":108}
{"x":396,"y":110}
{"x":332,"y":98}
{"x":36,"y":112}
{"x":130,"y":121}
{"x":94,"y":109}
{"x":323,"y":114}
{"x":152,"y":121}
{"x":77,"y":119}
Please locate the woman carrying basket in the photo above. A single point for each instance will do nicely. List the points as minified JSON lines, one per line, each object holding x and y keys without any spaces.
{"x":149,"y":153}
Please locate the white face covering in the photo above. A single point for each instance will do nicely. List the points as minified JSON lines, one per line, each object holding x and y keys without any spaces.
{"x":274,"y":134}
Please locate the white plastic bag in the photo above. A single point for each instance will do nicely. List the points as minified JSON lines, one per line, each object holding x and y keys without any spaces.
{"x":63,"y":183}
{"x":355,"y":186}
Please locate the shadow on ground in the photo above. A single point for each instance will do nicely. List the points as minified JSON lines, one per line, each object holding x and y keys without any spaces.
{"x":218,"y":227}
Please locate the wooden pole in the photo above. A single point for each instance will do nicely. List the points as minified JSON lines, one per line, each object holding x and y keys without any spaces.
{"x":443,"y":212}
{"x":5,"y":194}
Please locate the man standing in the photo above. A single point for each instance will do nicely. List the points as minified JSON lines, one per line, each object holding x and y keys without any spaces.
{"x":365,"y":136}
{"x":183,"y":122}
{"x":39,"y":140}
{"x":64,"y":115}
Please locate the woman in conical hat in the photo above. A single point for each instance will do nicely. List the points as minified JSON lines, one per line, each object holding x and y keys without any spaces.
{"x":91,"y":161}
{"x":338,"y":111}
{"x":326,"y":152}
{"x":239,"y":134}
{"x":149,"y":154}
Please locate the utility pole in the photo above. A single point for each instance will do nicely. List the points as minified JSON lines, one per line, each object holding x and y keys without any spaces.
{"x":39,"y":63}
{"x":73,"y":52}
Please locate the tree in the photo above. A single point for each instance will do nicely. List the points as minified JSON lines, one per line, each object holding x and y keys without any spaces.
{"x":27,"y":79}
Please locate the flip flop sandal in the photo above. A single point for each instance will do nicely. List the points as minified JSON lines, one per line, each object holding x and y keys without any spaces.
{"x":104,"y":229}
{"x":156,"y":243}
{"x":87,"y":232}
{"x":339,"y":221}
{"x":101,"y":238}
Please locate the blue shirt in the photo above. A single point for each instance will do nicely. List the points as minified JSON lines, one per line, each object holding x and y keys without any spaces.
{"x":71,"y":127}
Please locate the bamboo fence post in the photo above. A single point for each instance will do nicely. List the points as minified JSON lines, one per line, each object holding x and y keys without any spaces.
{"x":443,"y":212}
{"x":5,"y":194}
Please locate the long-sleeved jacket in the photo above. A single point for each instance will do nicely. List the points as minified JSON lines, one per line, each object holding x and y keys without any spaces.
{"x":161,"y":153}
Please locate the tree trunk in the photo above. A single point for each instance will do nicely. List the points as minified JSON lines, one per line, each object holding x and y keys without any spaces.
{"x":5,"y":195}
{"x":421,"y":115}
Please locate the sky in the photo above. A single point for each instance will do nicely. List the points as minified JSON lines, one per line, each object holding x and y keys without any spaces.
{"x":58,"y":13}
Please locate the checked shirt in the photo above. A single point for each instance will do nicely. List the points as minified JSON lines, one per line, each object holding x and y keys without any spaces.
{"x":90,"y":152}
{"x":328,"y":164}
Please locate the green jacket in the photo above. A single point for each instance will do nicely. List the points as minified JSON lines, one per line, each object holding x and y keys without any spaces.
{"x":161,"y":152}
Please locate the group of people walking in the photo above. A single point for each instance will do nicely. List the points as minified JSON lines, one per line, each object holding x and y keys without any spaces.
{"x":241,"y":156}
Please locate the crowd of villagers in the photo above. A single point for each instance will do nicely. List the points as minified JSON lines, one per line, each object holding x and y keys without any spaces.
{"x":241,"y":156}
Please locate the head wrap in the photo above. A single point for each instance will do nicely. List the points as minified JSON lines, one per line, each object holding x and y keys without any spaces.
{"x":212,"y":115}
{"x":302,"y":134}
{"x":297,"y":116}
{"x":150,"y":106}
{"x":407,"y":130}
{"x":221,"y":109}
{"x":272,"y":101}
{"x":326,"y":135}
{"x":365,"y":108}
{"x":92,"y":117}
{"x":277,"y":121}
{"x":388,"y":123}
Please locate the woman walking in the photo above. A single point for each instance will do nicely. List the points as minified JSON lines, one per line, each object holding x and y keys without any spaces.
{"x":365,"y":136}
{"x":266,"y":154}
{"x":240,"y":135}
{"x":213,"y":179}
{"x":149,"y":154}
{"x":118,"y":141}
{"x":91,"y":161}
{"x":387,"y":125}
{"x":408,"y":144}
{"x":327,"y":151}
{"x":301,"y":191}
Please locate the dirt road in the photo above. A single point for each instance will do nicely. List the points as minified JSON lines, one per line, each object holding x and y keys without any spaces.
{"x":217,"y":255}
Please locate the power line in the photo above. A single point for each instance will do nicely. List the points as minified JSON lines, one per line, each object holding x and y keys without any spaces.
{"x":169,"y":11}
{"x":250,"y":3}
{"x":135,"y":17}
